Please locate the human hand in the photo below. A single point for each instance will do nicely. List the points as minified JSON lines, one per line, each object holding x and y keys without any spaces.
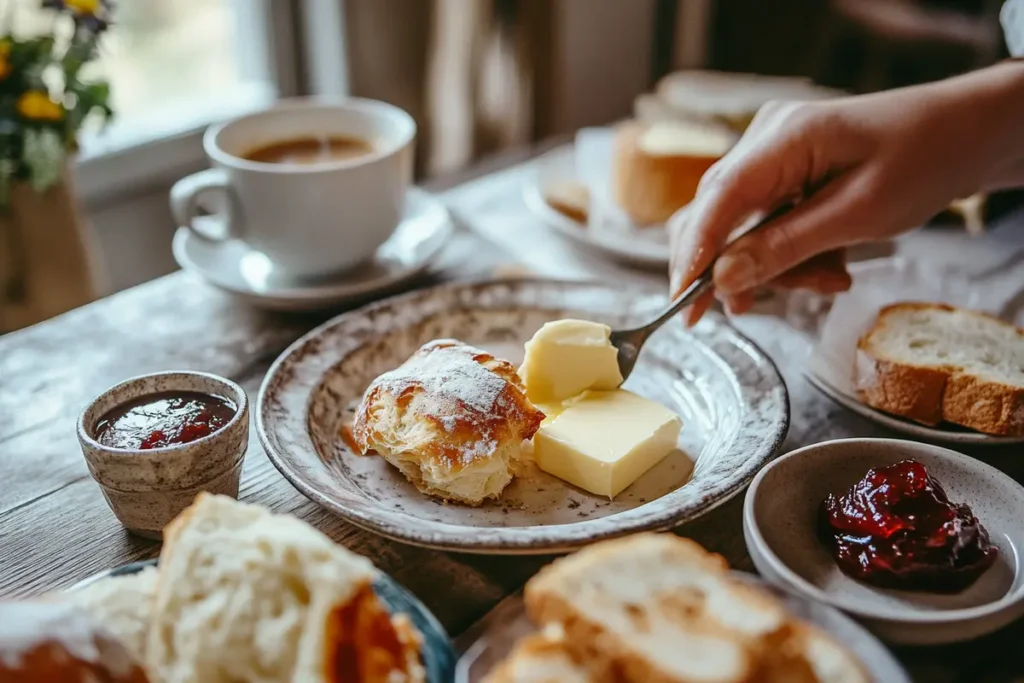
{"x":862,"y":168}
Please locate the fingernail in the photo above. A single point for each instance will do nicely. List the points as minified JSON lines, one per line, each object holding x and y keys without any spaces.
{"x":675,"y":283}
{"x":736,"y":272}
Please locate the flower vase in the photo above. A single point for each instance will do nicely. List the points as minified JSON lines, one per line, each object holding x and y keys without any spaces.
{"x":47,"y":261}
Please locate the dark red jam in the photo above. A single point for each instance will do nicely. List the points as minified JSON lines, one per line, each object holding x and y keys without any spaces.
{"x":896,"y":528}
{"x":163,"y":419}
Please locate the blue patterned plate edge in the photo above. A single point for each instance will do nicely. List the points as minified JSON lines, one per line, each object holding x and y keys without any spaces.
{"x":437,"y":652}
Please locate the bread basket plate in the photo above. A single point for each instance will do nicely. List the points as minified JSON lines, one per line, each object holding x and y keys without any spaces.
{"x":645,"y":247}
{"x":438,"y":654}
{"x":824,"y":372}
{"x":883,"y":282}
{"x":492,"y":638}
{"x":732,"y":401}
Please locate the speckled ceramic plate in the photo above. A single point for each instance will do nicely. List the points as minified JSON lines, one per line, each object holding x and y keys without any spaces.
{"x":731,"y":399}
{"x":438,"y":654}
{"x":490,"y":640}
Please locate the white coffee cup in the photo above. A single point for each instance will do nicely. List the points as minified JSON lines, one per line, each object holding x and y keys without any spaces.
{"x":308,"y":219}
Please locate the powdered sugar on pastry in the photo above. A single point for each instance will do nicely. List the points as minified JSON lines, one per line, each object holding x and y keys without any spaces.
{"x":452,"y":418}
{"x":453,"y":374}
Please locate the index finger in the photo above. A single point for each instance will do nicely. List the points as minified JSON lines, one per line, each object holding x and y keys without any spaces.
{"x":701,"y":230}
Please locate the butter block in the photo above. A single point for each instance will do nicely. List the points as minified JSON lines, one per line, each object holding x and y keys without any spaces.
{"x":605,"y":440}
{"x":567,"y":357}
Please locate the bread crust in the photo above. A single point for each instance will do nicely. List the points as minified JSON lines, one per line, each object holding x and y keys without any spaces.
{"x":650,"y":188}
{"x":769,"y":644}
{"x":931,"y":394}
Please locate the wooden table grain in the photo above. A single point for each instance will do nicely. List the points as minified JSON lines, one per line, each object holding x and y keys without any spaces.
{"x":56,"y":529}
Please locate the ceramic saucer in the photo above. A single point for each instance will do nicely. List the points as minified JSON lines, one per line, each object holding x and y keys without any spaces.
{"x":780,"y":516}
{"x":237,"y":268}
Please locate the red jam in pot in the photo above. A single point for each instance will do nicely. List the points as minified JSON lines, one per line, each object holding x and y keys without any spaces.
{"x":896,"y":528}
{"x":163,"y":419}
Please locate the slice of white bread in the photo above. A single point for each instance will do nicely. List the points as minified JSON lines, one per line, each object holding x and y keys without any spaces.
{"x":932,"y":363}
{"x":540,"y":658}
{"x":656,"y":608}
{"x":731,"y":98}
{"x":570,"y":198}
{"x":247,"y":595}
{"x":657,"y":166}
{"x":123,"y":604}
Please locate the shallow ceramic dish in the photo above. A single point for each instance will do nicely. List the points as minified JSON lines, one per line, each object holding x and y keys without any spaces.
{"x":438,"y":655}
{"x":146,"y":489}
{"x":491,"y":639}
{"x":731,"y":398}
{"x":780,"y":527}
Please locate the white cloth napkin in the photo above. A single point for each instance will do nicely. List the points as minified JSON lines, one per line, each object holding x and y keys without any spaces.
{"x":1012,"y":18}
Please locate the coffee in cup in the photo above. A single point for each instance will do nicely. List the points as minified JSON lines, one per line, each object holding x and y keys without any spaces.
{"x":316,"y":186}
{"x":310,"y":150}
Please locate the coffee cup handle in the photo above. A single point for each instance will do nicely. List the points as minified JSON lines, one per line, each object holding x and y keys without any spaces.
{"x":185,"y":196}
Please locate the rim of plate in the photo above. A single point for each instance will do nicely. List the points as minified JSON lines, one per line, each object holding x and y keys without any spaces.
{"x":650,"y":256}
{"x":801,"y":586}
{"x":341,"y":289}
{"x":904,"y":426}
{"x":527,"y":540}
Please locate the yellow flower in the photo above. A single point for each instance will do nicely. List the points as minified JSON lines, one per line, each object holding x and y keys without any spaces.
{"x":5,"y":66}
{"x":83,"y":6}
{"x":36,"y":104}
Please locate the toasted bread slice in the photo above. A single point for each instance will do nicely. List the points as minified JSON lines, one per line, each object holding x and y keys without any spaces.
{"x":123,"y":604}
{"x":248,"y":595}
{"x":540,"y":658}
{"x":656,"y":608}
{"x":933,"y":362}
{"x":571,"y":199}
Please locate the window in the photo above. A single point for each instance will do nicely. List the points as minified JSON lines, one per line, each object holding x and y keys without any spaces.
{"x":174,"y":65}
{"x":173,"y":55}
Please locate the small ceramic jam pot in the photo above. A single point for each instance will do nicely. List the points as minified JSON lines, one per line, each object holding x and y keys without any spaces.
{"x":154,"y":441}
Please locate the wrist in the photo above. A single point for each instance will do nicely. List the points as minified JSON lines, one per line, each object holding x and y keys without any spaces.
{"x":990,"y":104}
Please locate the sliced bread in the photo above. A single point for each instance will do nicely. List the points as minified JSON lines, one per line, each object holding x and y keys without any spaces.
{"x":123,"y":604}
{"x":732,"y":98}
{"x":247,"y":595}
{"x":657,"y":167}
{"x":933,"y":363}
{"x":656,"y":608}
{"x":540,"y":658}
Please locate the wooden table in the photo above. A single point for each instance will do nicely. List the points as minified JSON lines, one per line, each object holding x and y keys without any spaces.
{"x":56,"y":529}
